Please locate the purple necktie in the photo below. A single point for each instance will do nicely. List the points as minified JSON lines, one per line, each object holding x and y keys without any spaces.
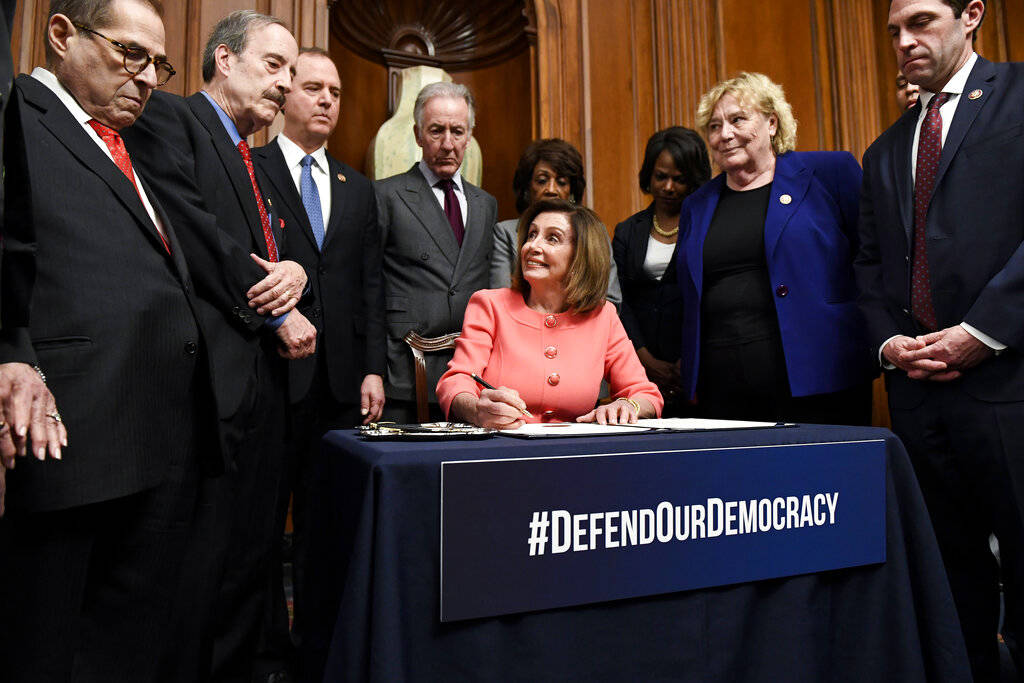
{"x":451,"y":208}
{"x":929,"y":149}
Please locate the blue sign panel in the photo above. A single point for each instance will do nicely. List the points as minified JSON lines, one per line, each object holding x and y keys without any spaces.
{"x":527,"y":534}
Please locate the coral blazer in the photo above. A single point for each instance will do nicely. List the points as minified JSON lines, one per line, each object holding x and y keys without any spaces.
{"x":555,"y":362}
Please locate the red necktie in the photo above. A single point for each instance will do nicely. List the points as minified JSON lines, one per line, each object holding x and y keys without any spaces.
{"x":452,"y":210}
{"x":112,"y":139}
{"x":929,"y":149}
{"x":243,"y":147}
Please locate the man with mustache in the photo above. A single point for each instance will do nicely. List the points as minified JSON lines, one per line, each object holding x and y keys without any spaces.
{"x":195,"y":150}
{"x":332,"y":218}
{"x":941,"y":273}
{"x":437,"y":232}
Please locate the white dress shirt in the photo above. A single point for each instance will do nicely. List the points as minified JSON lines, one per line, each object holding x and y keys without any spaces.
{"x":50,"y":81}
{"x":319,"y":170}
{"x":460,"y":193}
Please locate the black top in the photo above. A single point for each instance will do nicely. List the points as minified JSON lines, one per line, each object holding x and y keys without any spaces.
{"x":737,"y":305}
{"x":652,"y":310}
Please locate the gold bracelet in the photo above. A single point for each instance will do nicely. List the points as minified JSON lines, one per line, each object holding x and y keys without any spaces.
{"x":632,"y":402}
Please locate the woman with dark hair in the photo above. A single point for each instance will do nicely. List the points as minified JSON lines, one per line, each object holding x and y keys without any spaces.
{"x":548,"y":341}
{"x":675,"y":164}
{"x":549,"y":169}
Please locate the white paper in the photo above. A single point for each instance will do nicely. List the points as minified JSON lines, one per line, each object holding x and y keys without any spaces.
{"x":697,"y":424}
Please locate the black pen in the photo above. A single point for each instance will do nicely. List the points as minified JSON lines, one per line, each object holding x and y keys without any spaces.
{"x":487,"y":385}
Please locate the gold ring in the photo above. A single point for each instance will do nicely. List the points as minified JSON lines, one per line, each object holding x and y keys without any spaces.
{"x":3,"y":425}
{"x":56,"y":416}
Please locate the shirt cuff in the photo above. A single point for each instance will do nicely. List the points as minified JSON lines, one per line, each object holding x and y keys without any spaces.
{"x":274,"y":323}
{"x":886,"y":365}
{"x":988,"y":341}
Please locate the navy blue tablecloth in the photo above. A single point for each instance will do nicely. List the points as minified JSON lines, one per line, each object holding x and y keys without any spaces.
{"x":374,"y":572}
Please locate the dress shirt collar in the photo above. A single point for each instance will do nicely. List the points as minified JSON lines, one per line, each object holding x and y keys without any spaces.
{"x":432,"y":178}
{"x":229,"y":125}
{"x":48,"y":79}
{"x":293,"y":154}
{"x":956,"y":83}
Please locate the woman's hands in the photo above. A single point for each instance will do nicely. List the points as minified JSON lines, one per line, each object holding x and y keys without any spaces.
{"x":500,"y":408}
{"x":618,"y":411}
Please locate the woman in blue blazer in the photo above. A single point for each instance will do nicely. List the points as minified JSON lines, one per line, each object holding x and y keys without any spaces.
{"x":771,"y":329}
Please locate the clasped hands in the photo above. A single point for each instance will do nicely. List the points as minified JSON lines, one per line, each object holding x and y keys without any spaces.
{"x":939,"y":356}
{"x":277,"y":294}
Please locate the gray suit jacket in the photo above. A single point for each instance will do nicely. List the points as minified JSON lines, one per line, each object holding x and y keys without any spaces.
{"x":428,"y":279}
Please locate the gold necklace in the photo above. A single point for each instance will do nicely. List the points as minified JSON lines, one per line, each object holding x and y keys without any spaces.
{"x":664,"y":233}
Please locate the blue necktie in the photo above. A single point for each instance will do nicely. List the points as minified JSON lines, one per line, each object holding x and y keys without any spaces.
{"x":311,"y":200}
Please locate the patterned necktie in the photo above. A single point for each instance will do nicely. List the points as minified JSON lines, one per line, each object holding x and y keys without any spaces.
{"x":112,"y":139}
{"x":452,"y":211}
{"x":311,"y":200}
{"x":243,"y":147}
{"x":929,"y":149}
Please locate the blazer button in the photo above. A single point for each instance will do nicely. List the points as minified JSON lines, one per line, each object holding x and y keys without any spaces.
{"x":451,"y":292}
{"x":321,"y":270}
{"x":424,"y":256}
{"x":782,"y":290}
{"x":550,"y":321}
{"x":551,"y":352}
{"x":316,"y":311}
{"x":190,"y":348}
{"x":554,"y":379}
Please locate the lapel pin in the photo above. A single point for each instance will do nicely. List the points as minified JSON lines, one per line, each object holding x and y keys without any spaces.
{"x":282,"y":223}
{"x":342,"y":178}
{"x":785,"y":199}
{"x":270,"y":203}
{"x":975,"y":94}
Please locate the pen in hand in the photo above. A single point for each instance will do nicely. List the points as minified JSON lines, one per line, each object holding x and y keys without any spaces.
{"x":487,"y":385}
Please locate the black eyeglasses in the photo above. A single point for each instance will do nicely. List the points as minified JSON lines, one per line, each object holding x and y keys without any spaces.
{"x":136,"y":59}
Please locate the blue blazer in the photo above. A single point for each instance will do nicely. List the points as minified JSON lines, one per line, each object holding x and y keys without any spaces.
{"x":810,"y":239}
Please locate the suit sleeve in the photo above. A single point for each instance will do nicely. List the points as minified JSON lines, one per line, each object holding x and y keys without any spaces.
{"x":472,"y":352}
{"x":867,"y":265}
{"x":160,"y":143}
{"x":620,"y":258}
{"x":373,"y":290}
{"x":503,"y":255}
{"x":626,"y":376}
{"x":18,"y":265}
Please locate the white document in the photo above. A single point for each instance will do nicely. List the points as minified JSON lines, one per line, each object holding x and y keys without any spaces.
{"x":697,"y":424}
{"x":542,"y":429}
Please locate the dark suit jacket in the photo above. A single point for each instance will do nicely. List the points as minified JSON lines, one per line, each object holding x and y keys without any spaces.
{"x":202,"y":181}
{"x":92,"y":296}
{"x":652,"y":310}
{"x":975,"y":231}
{"x":810,"y":241}
{"x":427,"y":279}
{"x":347,"y":296}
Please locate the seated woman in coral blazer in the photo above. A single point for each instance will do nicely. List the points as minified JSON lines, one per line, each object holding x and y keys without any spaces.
{"x":549,"y":341}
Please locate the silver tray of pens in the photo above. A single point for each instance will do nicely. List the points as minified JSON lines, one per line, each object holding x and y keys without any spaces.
{"x":427,"y":431}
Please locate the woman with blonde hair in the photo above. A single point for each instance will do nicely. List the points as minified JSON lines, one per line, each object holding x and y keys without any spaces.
{"x":771,"y":328}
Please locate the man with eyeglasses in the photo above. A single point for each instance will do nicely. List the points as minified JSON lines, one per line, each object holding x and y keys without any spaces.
{"x":97,"y":296}
{"x":195,"y":150}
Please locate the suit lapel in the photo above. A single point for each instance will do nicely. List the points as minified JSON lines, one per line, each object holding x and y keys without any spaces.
{"x":279,"y":177}
{"x":339,"y":197}
{"x":59,"y":121}
{"x":789,"y":187}
{"x":421,"y":201}
{"x":475,"y":228}
{"x":176,"y":255}
{"x":233,"y":165}
{"x":982,"y":78}
{"x":703,"y":212}
{"x":640,"y":228}
{"x":902,"y":173}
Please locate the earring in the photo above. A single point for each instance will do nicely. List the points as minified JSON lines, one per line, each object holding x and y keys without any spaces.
{"x":572,"y":199}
